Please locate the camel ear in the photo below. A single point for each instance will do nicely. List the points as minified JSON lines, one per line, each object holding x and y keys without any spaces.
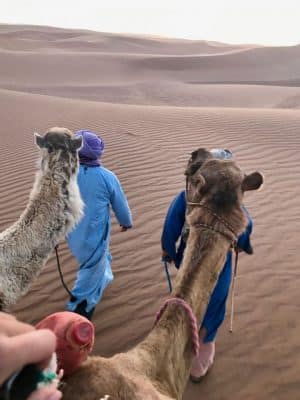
{"x":198,"y":180}
{"x":192,"y":168}
{"x":198,"y":157}
{"x":39,"y":140}
{"x":76,"y":142}
{"x":252,"y":181}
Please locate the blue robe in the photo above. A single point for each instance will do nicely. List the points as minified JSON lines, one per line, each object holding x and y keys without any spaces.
{"x":89,"y":241}
{"x":172,"y":231}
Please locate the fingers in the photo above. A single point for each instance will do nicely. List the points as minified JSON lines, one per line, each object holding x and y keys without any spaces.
{"x":46,"y":394}
{"x":29,"y":348}
{"x":34,"y":347}
{"x":165,"y":257}
{"x":21,"y":344}
{"x":11,"y":327}
{"x":4,"y":315}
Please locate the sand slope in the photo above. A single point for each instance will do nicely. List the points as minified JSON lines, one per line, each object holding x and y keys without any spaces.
{"x":147,"y":144}
{"x":137,"y":70}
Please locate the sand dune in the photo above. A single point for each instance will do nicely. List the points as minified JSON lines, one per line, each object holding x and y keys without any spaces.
{"x":148,"y":141}
{"x":147,"y":71}
{"x":179,"y":94}
{"x":32,"y":37}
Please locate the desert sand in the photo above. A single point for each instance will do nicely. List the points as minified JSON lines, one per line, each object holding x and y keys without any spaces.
{"x":153,"y":101}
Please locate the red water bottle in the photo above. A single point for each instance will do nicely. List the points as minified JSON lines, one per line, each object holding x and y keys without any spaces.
{"x":75,"y":338}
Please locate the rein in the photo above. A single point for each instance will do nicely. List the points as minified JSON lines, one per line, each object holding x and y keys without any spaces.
{"x":61,"y":274}
{"x":233,"y":287}
{"x":233,"y":239}
{"x":190,"y":314}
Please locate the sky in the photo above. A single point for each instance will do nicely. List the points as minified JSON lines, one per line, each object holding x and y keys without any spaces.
{"x":266,"y":22}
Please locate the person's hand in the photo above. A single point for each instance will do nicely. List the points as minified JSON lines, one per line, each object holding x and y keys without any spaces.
{"x":124,"y":228}
{"x":22,"y":344}
{"x":165,"y":257}
{"x":248,"y":250}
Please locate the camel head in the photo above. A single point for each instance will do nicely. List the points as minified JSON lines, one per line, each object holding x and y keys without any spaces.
{"x":196,"y":160}
{"x":58,"y":145}
{"x":220,"y":185}
{"x":58,"y":139}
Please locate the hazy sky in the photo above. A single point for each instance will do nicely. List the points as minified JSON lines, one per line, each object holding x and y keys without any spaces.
{"x":269,"y":22}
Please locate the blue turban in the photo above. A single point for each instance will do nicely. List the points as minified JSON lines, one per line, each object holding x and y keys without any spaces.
{"x":92,"y":148}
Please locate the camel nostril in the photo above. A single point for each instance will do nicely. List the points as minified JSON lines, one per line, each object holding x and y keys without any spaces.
{"x":83,"y":332}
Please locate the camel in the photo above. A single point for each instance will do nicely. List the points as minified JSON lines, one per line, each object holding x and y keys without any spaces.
{"x":54,"y":208}
{"x":158,"y":368}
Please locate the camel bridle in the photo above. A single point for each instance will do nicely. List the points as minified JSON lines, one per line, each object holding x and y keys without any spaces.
{"x":232,"y":237}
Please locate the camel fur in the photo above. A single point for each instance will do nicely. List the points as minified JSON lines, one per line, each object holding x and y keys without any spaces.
{"x":158,"y":368}
{"x":54,"y":207}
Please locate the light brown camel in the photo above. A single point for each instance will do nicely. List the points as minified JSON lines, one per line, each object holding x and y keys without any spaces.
{"x":158,"y":368}
{"x":54,"y":207}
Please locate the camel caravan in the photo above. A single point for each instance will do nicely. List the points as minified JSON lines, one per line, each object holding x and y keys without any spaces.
{"x":158,"y":367}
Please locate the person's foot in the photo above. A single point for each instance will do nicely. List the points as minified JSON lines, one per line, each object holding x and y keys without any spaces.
{"x":202,"y":363}
{"x":81,"y":310}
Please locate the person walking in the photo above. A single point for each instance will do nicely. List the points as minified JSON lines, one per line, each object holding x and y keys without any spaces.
{"x":89,"y":242}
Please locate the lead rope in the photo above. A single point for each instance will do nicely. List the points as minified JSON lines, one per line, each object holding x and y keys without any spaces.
{"x":168,"y":275}
{"x":233,"y":287}
{"x":190,"y":314}
{"x":60,"y":273}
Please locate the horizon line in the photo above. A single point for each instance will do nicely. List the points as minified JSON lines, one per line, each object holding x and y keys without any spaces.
{"x":148,"y":35}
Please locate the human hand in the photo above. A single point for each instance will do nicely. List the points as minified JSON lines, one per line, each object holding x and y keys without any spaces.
{"x":20,"y":345}
{"x":46,"y":394}
{"x":248,"y":250}
{"x":165,"y":257}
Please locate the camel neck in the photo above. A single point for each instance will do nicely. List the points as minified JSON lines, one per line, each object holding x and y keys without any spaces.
{"x":204,"y":259}
{"x":169,"y":346}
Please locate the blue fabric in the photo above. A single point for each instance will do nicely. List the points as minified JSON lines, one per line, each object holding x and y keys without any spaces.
{"x":89,"y":241}
{"x":172,"y":230}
